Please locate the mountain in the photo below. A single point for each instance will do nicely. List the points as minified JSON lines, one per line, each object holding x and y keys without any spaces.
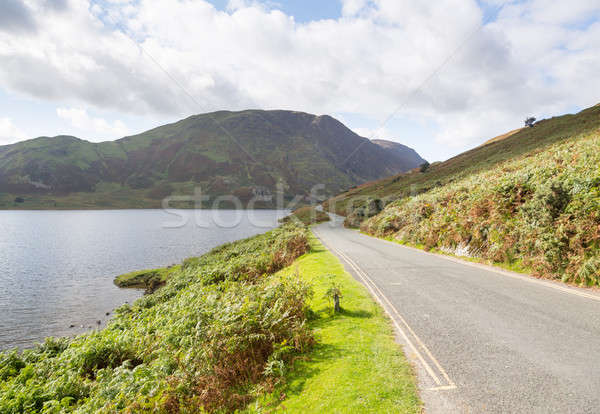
{"x":408,"y":155}
{"x":243,"y":153}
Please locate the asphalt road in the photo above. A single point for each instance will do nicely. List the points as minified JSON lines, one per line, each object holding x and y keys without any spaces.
{"x":481,"y":340}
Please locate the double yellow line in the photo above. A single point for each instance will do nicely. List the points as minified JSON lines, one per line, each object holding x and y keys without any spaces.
{"x":420,"y":350}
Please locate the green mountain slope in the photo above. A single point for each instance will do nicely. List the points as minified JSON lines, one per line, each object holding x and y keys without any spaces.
{"x":240,"y":153}
{"x":530,"y":202}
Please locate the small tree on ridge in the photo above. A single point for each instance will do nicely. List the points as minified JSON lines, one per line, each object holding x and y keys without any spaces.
{"x":530,"y":121}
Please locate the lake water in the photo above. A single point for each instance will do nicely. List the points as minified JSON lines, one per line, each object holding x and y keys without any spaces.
{"x":57,"y":267}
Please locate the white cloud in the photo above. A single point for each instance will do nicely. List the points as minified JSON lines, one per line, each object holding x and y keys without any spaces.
{"x":377,"y":133}
{"x":379,"y":56}
{"x":9,"y":132}
{"x":364,"y":132}
{"x":353,"y":7}
{"x":100,"y":128}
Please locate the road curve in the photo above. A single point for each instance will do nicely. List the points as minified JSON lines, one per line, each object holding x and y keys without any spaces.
{"x":482,"y":341}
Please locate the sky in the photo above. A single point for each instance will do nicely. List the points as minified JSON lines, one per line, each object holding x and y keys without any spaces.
{"x":439,"y":76}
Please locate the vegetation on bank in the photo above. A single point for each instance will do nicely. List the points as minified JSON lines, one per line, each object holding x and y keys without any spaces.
{"x":236,"y":329}
{"x":538,"y":212}
{"x":306,"y":215}
{"x":219,"y":333}
{"x":355,"y":366}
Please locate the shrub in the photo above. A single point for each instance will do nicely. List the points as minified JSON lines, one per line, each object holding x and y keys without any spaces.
{"x":10,"y":365}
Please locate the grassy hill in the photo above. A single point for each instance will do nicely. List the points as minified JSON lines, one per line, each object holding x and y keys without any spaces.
{"x":529,"y":201}
{"x":526,"y":141}
{"x":241,"y":153}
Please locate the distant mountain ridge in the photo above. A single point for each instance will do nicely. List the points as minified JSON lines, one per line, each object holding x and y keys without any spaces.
{"x":406,"y":154}
{"x":239,"y":153}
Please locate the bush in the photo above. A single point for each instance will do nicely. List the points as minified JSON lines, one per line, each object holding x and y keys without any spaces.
{"x":10,"y":365}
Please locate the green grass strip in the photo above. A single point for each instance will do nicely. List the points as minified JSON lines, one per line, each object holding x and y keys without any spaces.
{"x":356,"y":367}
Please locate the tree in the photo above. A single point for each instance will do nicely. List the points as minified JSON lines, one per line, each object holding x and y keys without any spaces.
{"x":424,"y":167}
{"x":529,"y":121}
{"x":334,"y":293}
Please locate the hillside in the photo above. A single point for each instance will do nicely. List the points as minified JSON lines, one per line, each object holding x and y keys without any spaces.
{"x":529,"y":202}
{"x":526,"y":141}
{"x":502,"y":136}
{"x":408,"y":155}
{"x":241,"y":153}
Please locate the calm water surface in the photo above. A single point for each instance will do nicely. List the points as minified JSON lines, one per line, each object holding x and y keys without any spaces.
{"x":57,"y":267}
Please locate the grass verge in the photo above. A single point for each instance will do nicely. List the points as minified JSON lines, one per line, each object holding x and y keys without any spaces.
{"x":356,"y":366}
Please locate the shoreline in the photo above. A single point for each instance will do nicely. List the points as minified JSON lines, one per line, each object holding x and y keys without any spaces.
{"x":89,"y":290}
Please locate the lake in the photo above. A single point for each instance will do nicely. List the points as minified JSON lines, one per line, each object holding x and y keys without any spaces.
{"x":57,"y":267}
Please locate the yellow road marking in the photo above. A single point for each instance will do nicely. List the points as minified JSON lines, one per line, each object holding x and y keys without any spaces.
{"x":379,"y":296}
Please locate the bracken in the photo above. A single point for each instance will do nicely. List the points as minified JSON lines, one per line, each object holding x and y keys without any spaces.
{"x":539,"y":212}
{"x":221,"y":331}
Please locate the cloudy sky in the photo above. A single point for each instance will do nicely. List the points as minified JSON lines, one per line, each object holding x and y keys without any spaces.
{"x":440,"y":76}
